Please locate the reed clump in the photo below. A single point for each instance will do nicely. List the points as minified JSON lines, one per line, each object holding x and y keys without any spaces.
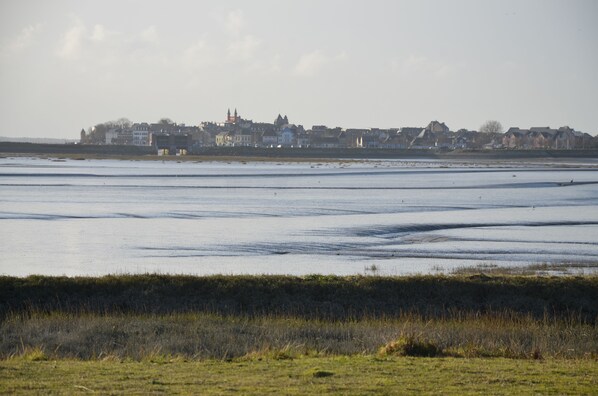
{"x":411,"y":346}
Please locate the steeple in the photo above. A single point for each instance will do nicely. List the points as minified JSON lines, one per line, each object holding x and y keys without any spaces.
{"x":279,"y":121}
{"x":228,"y":114}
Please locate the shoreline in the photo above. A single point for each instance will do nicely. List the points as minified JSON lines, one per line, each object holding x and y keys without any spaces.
{"x":444,"y":161}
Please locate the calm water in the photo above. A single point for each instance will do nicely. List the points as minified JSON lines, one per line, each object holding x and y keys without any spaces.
{"x":102,"y":216}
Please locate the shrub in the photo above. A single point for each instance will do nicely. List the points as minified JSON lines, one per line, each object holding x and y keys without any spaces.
{"x":317,"y":373}
{"x":411,"y":346}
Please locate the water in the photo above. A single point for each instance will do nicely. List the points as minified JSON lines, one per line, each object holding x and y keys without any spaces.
{"x":97,"y":217}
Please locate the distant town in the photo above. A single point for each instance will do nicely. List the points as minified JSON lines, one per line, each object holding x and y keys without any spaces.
{"x":168,"y":137}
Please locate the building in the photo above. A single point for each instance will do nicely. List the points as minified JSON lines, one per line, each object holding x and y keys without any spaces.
{"x":269,"y":139}
{"x":233,"y":119}
{"x":437,"y":127}
{"x":515,"y":138}
{"x":287,"y":137}
{"x":224,"y":139}
{"x":243,"y":138}
{"x":172,"y":144}
{"x":425,"y":140}
{"x":303,"y":140}
{"x":141,"y":134}
{"x":279,"y":122}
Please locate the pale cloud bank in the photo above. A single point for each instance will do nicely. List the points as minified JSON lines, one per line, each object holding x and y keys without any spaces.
{"x":150,"y":35}
{"x":234,"y":22}
{"x":314,"y":62}
{"x":244,"y":48}
{"x":25,"y":38}
{"x":72,"y":41}
{"x":419,"y":65}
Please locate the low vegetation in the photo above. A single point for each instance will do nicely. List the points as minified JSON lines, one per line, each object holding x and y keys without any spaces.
{"x":315,"y":296}
{"x":542,"y":269}
{"x":458,"y":334}
{"x":212,"y":336}
{"x":231,"y":317}
{"x":411,"y":346}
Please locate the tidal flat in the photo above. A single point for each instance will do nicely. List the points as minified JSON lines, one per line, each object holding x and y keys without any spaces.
{"x":98,"y":217}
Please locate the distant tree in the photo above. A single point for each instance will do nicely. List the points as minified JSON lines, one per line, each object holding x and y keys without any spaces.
{"x":122,"y":123}
{"x":491,"y":126}
{"x":97,"y":134}
{"x":165,"y":121}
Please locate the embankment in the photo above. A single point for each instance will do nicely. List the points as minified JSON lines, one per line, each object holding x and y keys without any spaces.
{"x":74,"y":149}
{"x":293,"y":153}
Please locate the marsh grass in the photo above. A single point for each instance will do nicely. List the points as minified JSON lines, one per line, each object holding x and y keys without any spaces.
{"x":535,"y":269}
{"x":314,"y":297}
{"x":33,"y":354}
{"x":200,"y":336}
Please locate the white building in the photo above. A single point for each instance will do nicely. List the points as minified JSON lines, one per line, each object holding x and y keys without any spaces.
{"x":286,"y":138}
{"x":141,"y":134}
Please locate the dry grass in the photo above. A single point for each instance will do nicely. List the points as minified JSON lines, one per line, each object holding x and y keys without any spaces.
{"x":210,"y":336}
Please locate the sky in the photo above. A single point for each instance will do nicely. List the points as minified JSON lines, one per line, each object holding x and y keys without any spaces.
{"x":67,"y":65}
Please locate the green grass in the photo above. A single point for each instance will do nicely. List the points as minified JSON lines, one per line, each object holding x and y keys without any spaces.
{"x":324,"y":375}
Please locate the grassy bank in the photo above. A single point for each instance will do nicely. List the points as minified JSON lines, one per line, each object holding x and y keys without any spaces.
{"x":324,"y":297}
{"x":331,"y":375}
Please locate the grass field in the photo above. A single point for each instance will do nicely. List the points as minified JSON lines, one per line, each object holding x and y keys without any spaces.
{"x":490,"y":334}
{"x":324,"y":375}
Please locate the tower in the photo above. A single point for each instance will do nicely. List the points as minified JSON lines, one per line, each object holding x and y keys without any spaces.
{"x":232,"y":119}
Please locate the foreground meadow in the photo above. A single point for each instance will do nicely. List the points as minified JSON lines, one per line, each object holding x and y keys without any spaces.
{"x":348,"y":375}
